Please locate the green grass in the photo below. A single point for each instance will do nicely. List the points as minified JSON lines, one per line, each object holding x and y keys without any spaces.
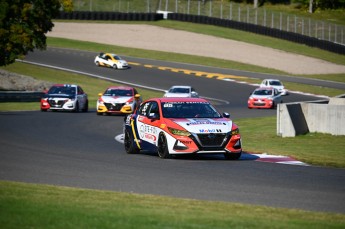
{"x":259,"y":136}
{"x":42,"y":206}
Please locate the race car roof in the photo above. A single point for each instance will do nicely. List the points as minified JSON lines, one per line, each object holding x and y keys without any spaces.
{"x":178,"y":99}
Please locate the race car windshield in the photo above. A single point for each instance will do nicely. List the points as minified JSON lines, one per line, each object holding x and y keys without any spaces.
{"x":263,"y":92}
{"x":275,"y":83}
{"x":179,"y":90}
{"x":189,"y":110}
{"x":117,"y":57}
{"x":118,"y":92}
{"x":62,"y":90}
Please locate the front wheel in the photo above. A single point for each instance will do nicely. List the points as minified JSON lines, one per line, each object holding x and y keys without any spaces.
{"x":97,"y":63}
{"x":129,"y":144}
{"x":76,"y":109}
{"x":163,"y":151}
{"x":114,"y":66}
{"x":86,"y":107}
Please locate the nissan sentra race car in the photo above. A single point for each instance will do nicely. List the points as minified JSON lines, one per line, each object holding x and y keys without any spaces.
{"x":118,"y":100}
{"x":175,"y":126}
{"x":65,"y":97}
{"x":264,"y":97}
{"x":111,"y":60}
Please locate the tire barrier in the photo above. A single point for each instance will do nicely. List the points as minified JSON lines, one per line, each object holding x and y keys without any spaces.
{"x":109,"y":16}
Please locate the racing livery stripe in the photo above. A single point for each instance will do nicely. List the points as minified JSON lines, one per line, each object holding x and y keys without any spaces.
{"x":134,"y":134}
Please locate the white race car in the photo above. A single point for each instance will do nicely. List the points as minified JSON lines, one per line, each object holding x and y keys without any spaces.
{"x":181,"y":91}
{"x":277,"y":84}
{"x":111,"y":60}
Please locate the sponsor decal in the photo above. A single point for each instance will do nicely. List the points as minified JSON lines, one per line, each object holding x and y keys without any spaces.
{"x":186,"y":142}
{"x":205,"y":123}
{"x":150,"y":137}
{"x":146,"y":132}
{"x":210,"y":130}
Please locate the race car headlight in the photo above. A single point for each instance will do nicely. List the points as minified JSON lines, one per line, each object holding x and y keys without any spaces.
{"x":235,"y":131}
{"x":178,"y":132}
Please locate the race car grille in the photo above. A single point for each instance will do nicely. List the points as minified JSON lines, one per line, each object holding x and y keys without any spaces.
{"x":56,"y":103}
{"x":211,"y":139}
{"x":114,"y":107}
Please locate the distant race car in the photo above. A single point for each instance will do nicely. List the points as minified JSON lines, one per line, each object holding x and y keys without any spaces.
{"x":111,"y":60}
{"x":181,"y":91}
{"x":277,"y":84}
{"x":118,"y":100}
{"x":65,"y":97}
{"x":264,"y":97}
{"x":176,"y":126}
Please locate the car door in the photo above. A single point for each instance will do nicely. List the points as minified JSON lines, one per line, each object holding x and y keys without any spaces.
{"x":81,"y":97}
{"x":277,"y":96}
{"x":147,"y":125}
{"x":109,"y":60}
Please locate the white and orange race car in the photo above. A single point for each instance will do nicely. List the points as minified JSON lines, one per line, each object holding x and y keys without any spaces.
{"x":118,"y":100}
{"x":111,"y":60}
{"x":176,"y":126}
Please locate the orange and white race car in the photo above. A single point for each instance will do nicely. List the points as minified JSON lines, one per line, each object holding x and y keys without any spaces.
{"x":111,"y":60}
{"x":176,"y":126}
{"x":264,"y":97}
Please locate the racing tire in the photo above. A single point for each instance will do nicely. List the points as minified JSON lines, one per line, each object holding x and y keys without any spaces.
{"x":86,"y":107}
{"x":97,"y":63}
{"x":114,"y":66}
{"x":273,"y":105}
{"x":129,"y":144}
{"x":163,"y":151}
{"x":232,"y":156}
{"x":76,"y":109}
{"x":44,"y":110}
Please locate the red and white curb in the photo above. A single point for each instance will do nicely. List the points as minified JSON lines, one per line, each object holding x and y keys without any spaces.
{"x":263,"y":157}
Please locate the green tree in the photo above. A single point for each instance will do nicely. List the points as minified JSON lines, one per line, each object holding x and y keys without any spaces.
{"x":23,"y":25}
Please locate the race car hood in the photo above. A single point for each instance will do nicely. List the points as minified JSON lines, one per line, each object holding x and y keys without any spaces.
{"x":58,"y":96}
{"x":116,"y":99}
{"x":261,"y":96}
{"x":205,"y":125}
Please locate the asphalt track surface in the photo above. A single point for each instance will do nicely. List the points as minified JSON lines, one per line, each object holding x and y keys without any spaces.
{"x":79,"y":150}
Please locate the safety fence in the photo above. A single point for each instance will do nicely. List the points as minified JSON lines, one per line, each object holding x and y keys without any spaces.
{"x":228,"y":10}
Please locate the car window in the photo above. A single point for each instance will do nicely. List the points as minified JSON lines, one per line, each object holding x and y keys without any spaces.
{"x":80,"y":91}
{"x":275,"y":83}
{"x":189,"y":110}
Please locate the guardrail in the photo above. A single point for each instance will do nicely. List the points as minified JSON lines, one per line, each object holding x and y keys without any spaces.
{"x":20,"y":96}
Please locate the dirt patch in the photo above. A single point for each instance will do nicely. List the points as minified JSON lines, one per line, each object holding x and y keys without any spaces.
{"x":14,"y":82}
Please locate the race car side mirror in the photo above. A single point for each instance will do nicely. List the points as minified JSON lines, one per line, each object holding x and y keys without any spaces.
{"x":226,"y":115}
